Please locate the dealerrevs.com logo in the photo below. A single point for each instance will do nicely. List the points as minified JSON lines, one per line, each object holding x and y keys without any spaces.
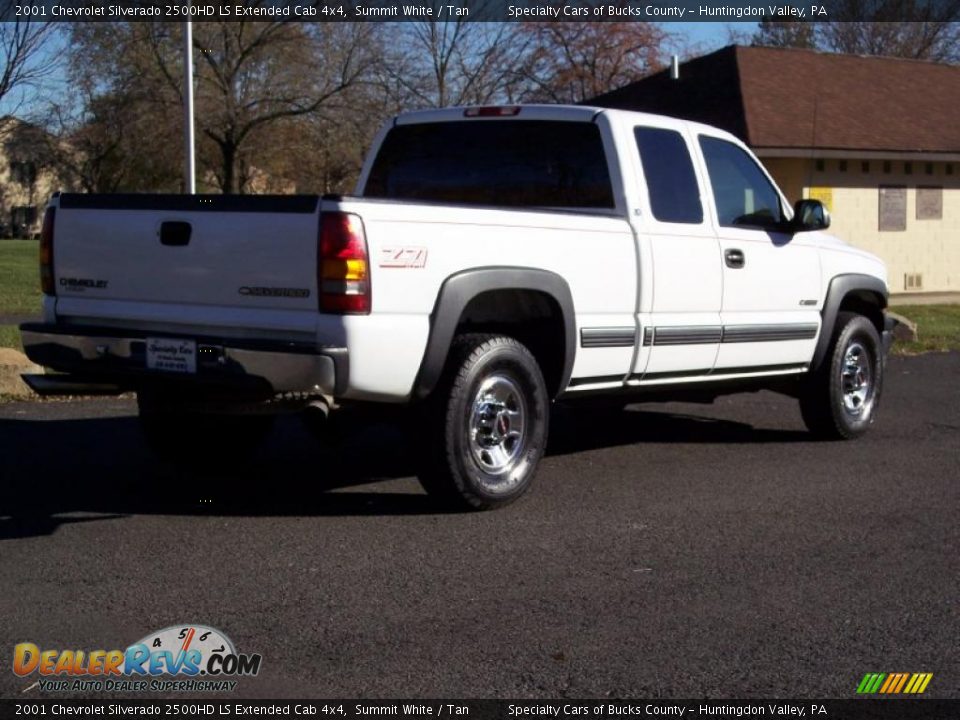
{"x":894,"y":683}
{"x":201,"y":658}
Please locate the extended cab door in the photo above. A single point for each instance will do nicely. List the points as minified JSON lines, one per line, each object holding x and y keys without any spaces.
{"x":771,"y":279}
{"x":680,"y":279}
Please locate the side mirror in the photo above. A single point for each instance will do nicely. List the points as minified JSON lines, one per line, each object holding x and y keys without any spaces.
{"x":810,"y":215}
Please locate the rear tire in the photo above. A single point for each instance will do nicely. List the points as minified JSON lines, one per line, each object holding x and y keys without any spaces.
{"x":485,"y":426}
{"x":206,"y":440}
{"x":839,"y":400}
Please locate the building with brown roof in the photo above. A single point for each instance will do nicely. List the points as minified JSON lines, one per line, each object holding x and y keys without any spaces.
{"x":878,"y":139}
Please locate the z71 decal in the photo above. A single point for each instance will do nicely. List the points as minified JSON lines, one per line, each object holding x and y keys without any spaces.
{"x":403,"y":257}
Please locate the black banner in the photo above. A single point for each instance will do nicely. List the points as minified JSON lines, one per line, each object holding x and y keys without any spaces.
{"x":914,"y":709}
{"x":474,"y":10}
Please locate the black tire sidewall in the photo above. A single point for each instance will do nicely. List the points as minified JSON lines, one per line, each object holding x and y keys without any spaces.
{"x":856,"y":328}
{"x":511,"y":359}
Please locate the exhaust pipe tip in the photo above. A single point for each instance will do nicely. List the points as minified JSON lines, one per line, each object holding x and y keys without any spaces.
{"x":318,"y":408}
{"x":316,"y":419}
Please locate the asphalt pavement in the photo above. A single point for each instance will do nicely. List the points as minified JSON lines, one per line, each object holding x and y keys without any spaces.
{"x":666,"y":551}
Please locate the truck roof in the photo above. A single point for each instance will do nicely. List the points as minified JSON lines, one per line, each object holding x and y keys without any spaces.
{"x":570,"y":113}
{"x":574,"y":113}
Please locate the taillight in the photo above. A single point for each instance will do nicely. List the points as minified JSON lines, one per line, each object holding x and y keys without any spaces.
{"x":47,"y":285}
{"x":343,"y":271}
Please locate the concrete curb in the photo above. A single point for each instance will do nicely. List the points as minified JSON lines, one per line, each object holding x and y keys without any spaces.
{"x":905,"y":330}
{"x":12,"y":364}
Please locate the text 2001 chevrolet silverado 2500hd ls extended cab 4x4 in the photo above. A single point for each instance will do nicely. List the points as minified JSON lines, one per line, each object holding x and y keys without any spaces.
{"x":492,"y":260}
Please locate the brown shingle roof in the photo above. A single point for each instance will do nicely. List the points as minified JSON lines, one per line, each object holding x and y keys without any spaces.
{"x":787,"y":98}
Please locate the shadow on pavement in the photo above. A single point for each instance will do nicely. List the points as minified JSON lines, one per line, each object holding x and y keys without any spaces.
{"x":575,"y":428}
{"x":100,"y":468}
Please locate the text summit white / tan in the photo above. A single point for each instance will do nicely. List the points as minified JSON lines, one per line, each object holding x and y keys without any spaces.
{"x":492,"y":260}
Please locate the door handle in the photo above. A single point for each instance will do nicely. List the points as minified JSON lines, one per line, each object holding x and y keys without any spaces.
{"x":734,"y":258}
{"x":175,"y":232}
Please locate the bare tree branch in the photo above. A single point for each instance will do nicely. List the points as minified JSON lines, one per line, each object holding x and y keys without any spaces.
{"x":23,"y":62}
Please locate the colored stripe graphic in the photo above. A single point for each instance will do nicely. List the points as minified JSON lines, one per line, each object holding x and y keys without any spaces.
{"x":894,"y":683}
{"x":918,"y":683}
{"x":903,"y":680}
{"x":870,"y":683}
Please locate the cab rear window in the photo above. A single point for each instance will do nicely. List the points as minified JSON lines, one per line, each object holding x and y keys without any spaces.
{"x":513,"y":163}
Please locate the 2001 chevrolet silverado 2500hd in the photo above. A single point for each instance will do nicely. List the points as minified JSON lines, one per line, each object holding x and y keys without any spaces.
{"x":492,"y":260}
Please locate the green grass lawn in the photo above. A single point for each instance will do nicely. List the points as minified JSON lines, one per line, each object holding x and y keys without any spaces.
{"x":19,"y":278}
{"x":10,"y":337}
{"x":19,"y":286}
{"x":938,"y":328}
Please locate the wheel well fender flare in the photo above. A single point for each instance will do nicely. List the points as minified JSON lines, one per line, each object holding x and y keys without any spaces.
{"x":456,"y":293}
{"x":840,"y":288}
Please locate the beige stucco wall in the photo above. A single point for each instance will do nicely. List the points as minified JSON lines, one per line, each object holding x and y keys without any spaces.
{"x":14,"y":194}
{"x":928,"y":247}
{"x":791,"y":175}
{"x":23,"y":143}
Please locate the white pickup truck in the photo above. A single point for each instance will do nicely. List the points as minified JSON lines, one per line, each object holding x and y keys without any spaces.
{"x":492,"y":260}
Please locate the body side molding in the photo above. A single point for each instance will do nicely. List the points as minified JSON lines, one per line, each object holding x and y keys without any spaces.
{"x":603,"y":337}
{"x":459,"y":289}
{"x":768,"y":333}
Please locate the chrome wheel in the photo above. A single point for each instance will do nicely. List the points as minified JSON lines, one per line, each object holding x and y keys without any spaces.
{"x":856,"y":380}
{"x":486,"y":423}
{"x":498,"y":426}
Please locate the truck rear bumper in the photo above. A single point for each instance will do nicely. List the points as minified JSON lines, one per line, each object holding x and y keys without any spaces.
{"x":99,"y":356}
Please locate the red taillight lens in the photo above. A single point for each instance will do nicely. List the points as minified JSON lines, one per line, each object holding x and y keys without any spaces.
{"x":492,"y":111}
{"x":47,"y":285}
{"x":343,"y":270}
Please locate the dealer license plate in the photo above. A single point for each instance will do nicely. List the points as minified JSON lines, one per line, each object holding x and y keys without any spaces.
{"x":172,"y":355}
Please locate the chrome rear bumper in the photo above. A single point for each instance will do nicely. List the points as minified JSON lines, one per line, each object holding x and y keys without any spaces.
{"x":99,"y":359}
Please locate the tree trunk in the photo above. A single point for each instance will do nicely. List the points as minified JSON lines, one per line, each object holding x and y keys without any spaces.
{"x":229,"y":152}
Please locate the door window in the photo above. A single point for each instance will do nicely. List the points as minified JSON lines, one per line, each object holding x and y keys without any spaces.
{"x":671,"y":181}
{"x":742,"y":193}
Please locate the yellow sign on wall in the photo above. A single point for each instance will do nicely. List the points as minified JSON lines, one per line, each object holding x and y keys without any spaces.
{"x":823,"y":194}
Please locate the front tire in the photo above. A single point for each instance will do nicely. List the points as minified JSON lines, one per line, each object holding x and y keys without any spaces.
{"x":840,"y":399}
{"x":486,"y":424}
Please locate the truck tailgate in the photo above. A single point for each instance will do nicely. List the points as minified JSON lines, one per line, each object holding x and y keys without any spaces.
{"x":249,"y":252}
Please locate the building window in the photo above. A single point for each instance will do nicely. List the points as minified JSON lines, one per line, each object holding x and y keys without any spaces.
{"x":908,"y":168}
{"x":949,"y":169}
{"x":893,"y":208}
{"x":843,"y":166}
{"x":865,"y":166}
{"x":821,"y":165}
{"x":24,"y":173}
{"x":887,"y":166}
{"x":929,"y":168}
{"x":929,"y":202}
{"x":22,"y":219}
